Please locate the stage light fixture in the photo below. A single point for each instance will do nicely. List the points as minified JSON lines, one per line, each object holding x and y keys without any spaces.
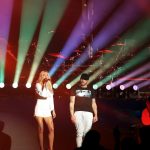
{"x":15,"y":85}
{"x":108,"y":87}
{"x":95,"y":86}
{"x":2,"y":85}
{"x":135,"y":87}
{"x":55,"y":86}
{"x":68,"y":86}
{"x":28,"y":85}
{"x":122,"y":87}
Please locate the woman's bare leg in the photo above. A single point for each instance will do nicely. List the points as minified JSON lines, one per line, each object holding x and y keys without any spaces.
{"x":40,"y":131}
{"x":50,"y":125}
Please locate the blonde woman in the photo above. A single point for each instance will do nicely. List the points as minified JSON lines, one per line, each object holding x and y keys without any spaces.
{"x":44,"y":108}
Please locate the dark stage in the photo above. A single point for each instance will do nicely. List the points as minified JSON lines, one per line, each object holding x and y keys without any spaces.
{"x":16,"y":112}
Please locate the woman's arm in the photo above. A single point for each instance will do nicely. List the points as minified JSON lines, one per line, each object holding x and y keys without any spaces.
{"x":39,"y":91}
{"x":71,"y":108}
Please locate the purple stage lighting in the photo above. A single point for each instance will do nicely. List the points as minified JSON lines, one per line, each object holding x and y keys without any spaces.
{"x":95,"y":13}
{"x":132,"y":74}
{"x":124,"y":17}
{"x":143,"y":84}
{"x":132,"y":82}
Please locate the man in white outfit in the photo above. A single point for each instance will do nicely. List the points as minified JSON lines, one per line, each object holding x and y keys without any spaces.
{"x":83,"y":108}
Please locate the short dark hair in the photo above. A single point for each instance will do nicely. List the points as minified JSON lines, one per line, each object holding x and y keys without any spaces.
{"x":84,"y":76}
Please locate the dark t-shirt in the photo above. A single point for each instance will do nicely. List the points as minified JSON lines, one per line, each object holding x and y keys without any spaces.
{"x":83,"y":98}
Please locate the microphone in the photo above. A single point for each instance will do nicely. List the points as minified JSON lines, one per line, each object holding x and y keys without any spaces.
{"x":46,"y":80}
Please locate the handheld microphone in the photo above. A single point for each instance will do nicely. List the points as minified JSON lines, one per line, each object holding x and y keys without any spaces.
{"x":46,"y":80}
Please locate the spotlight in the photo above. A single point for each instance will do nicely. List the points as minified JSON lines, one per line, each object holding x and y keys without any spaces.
{"x":108,"y":87}
{"x":28,"y":85}
{"x":68,"y":86}
{"x":122,"y":87}
{"x":95,"y":86}
{"x":15,"y":85}
{"x":55,"y":86}
{"x":135,"y":87}
{"x":2,"y":85}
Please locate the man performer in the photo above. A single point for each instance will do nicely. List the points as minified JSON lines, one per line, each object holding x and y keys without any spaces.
{"x":83,"y":108}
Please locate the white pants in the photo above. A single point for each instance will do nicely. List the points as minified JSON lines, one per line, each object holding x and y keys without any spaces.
{"x":83,"y":124}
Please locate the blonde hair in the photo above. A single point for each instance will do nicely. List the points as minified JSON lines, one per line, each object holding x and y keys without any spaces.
{"x":41,"y":78}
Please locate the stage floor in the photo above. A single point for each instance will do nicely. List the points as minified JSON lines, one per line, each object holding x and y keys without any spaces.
{"x":16,"y":112}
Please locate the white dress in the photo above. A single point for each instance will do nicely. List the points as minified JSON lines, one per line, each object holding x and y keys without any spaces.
{"x":43,"y":107}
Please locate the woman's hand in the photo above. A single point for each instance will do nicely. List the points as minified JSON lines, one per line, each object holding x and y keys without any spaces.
{"x":73,"y":119}
{"x":53,"y":114}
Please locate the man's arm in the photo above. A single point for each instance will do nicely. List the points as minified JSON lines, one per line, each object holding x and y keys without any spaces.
{"x":71,"y":106}
{"x":94,"y":107}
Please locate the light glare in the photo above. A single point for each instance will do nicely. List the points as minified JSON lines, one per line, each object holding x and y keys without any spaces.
{"x":15,"y":85}
{"x":135,"y":87}
{"x":55,"y":86}
{"x":122,"y":87}
{"x":68,"y":86}
{"x":28,"y":85}
{"x":95,"y":86}
{"x":2,"y":85}
{"x":108,"y":87}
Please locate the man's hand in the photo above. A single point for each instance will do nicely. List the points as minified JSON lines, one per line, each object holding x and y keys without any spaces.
{"x":95,"y":119}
